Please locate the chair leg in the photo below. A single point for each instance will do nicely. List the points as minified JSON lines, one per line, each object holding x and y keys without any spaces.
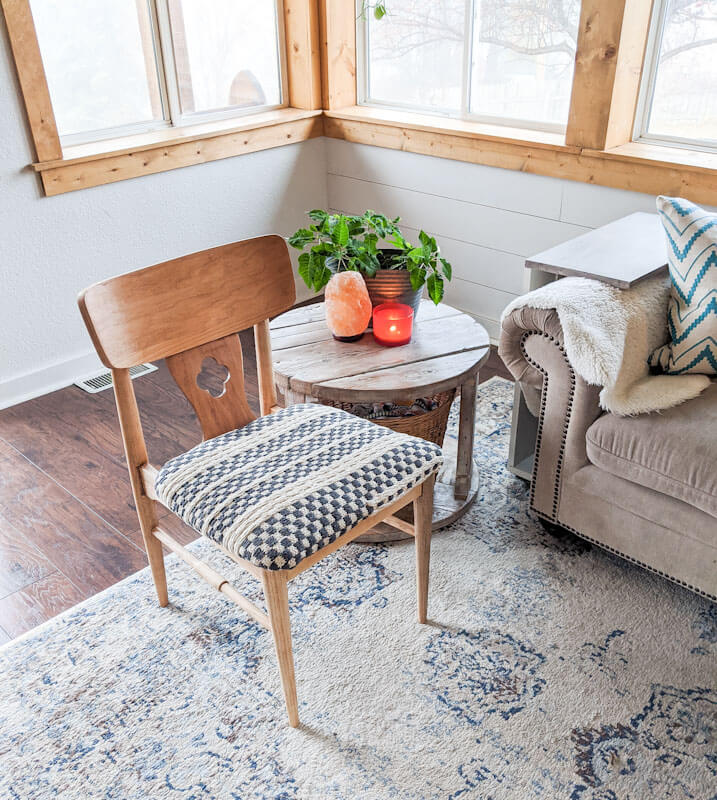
{"x":136,"y":453}
{"x":423,"y":518}
{"x":155,"y":555}
{"x":277,"y":603}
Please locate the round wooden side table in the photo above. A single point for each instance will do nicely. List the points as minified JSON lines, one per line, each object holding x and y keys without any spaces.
{"x":446,"y":351}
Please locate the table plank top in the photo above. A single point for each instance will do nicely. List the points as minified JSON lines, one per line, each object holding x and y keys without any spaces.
{"x":447,"y":345}
{"x":621,"y":253}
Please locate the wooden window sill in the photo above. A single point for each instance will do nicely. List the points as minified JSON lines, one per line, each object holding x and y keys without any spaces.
{"x":636,"y":166}
{"x":111,"y":160}
{"x":448,"y":126}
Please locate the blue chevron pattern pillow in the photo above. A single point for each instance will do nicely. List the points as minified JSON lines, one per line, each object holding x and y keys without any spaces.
{"x":692,"y":310}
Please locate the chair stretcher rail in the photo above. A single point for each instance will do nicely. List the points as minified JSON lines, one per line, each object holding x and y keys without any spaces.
{"x":213,"y":577}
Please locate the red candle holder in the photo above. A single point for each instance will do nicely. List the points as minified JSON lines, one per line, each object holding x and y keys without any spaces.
{"x":392,"y":324}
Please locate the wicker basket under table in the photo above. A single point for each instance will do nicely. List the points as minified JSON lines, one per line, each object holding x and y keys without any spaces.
{"x":431,"y":425}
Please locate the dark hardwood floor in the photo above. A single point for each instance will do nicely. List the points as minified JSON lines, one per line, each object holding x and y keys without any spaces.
{"x":68,"y":527}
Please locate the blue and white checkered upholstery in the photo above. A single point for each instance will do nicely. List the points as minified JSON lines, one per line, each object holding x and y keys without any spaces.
{"x":290,"y":483}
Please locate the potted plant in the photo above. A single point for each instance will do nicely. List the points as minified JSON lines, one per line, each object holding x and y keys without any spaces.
{"x":393,"y":268}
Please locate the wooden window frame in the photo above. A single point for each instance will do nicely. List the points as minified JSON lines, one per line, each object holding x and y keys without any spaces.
{"x":321,"y":58}
{"x":72,"y":167}
{"x":598,"y":144}
{"x":461,"y":111}
{"x":648,"y":85}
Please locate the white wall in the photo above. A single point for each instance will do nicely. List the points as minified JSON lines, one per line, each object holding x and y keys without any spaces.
{"x":487,"y":220}
{"x":51,"y":247}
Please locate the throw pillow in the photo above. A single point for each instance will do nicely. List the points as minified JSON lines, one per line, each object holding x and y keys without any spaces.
{"x":692,"y":308}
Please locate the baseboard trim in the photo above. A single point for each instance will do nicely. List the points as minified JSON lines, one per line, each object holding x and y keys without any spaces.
{"x":47,"y":379}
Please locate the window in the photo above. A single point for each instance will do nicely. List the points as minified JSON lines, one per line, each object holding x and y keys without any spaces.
{"x":128,"y":66}
{"x":500,"y":61}
{"x":678,"y":103}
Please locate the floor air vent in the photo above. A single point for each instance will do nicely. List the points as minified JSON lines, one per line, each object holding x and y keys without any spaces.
{"x":103,"y":380}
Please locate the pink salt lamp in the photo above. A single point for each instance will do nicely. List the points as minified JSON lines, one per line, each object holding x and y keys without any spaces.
{"x":348,"y":306}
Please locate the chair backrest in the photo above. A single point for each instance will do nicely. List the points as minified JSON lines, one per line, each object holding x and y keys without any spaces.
{"x":189,"y":309}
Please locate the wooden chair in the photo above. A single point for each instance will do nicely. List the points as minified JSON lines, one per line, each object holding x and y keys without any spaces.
{"x":185,"y":311}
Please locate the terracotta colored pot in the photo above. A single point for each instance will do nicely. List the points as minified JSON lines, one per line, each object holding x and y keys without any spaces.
{"x":393,"y":286}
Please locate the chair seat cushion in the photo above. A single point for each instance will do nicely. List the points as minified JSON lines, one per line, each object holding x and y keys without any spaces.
{"x":287,"y":484}
{"x":673,"y":452}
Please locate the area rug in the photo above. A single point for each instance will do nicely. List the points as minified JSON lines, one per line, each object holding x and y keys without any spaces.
{"x":548,"y":669}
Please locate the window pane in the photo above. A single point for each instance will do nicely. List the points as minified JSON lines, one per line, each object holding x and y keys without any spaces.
{"x":416,"y":54}
{"x":684,"y":102}
{"x":100,"y":64}
{"x":523,"y":59}
{"x":226,"y":53}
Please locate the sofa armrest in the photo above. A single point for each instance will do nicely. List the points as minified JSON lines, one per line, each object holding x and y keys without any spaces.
{"x":531,"y":345}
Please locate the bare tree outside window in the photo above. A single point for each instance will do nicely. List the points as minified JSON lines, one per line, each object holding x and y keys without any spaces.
{"x":523,"y":59}
{"x":512,"y":61}
{"x":683,"y":101}
{"x":415,"y":54}
{"x":519,"y":67}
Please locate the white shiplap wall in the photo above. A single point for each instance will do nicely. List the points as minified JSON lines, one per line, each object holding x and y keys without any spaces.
{"x":487,"y":220}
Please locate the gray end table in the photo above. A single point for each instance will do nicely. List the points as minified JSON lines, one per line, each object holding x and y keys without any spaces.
{"x":622,"y":254}
{"x":446,"y":351}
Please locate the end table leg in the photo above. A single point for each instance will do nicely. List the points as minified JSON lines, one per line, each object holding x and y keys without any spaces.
{"x":293,"y":398}
{"x":464,"y":458}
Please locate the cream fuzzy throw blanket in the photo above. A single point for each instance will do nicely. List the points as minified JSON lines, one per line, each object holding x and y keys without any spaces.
{"x":609,"y":333}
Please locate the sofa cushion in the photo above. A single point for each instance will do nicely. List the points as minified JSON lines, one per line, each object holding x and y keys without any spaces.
{"x":673,"y":452}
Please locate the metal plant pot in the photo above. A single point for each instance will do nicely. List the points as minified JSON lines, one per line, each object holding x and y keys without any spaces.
{"x":393,"y":286}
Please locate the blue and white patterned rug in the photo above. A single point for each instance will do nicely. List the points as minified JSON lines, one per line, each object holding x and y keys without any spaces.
{"x":549,"y":669}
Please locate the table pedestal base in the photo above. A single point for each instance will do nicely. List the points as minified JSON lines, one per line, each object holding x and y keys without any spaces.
{"x":447,"y":508}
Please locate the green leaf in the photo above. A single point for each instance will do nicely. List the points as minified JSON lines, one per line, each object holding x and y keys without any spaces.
{"x":379,"y":11}
{"x":305,"y":269}
{"x":372,"y":265}
{"x":398,"y":241}
{"x":447,"y":269}
{"x":370,"y":241}
{"x":341,"y":233}
{"x":318,"y":215}
{"x":416,"y":255}
{"x":418,"y":278}
{"x":356,"y":226}
{"x":321,"y":277}
{"x":434,"y":284}
{"x":301,"y":238}
{"x":316,"y":263}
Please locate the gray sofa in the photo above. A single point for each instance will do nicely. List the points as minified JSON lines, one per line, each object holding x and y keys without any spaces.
{"x":643,"y":487}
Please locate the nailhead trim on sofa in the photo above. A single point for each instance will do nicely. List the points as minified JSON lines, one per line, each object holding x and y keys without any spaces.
{"x":629,"y":558}
{"x":543,"y":400}
{"x":558,"y":475}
